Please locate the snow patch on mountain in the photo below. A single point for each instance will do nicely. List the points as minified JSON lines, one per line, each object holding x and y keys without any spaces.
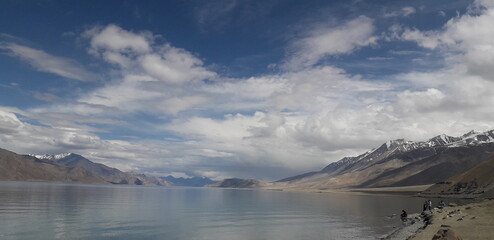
{"x":402,"y":145}
{"x":52,"y":157}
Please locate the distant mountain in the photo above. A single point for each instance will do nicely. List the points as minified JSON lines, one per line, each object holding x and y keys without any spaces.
{"x":15,"y":167}
{"x":189,"y":182}
{"x":111,"y":175}
{"x":475,"y":182}
{"x":402,"y":163}
{"x":239,"y":183}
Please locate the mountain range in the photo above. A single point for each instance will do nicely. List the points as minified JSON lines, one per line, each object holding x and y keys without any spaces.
{"x":68,"y":168}
{"x":15,"y":167}
{"x":401,"y":163}
{"x":453,"y":162}
{"x":189,"y":182}
{"x":110,"y":175}
{"x":74,"y":168}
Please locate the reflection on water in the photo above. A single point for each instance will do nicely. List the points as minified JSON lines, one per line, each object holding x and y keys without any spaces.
{"x":63,"y":211}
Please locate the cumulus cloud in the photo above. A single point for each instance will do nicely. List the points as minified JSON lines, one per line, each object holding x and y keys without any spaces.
{"x":136,"y":52}
{"x":467,"y":36}
{"x":421,"y":101}
{"x":175,"y":66}
{"x":324,"y":41}
{"x":268,"y":126}
{"x":154,"y":78}
{"x":45,"y":62}
{"x":119,"y":40}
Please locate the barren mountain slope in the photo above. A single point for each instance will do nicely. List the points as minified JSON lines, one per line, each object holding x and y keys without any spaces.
{"x":402,"y":163}
{"x":476,"y":182}
{"x":15,"y":167}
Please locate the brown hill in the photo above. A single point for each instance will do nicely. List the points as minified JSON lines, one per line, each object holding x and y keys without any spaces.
{"x":15,"y":167}
{"x":476,"y":182}
{"x":111,"y":175}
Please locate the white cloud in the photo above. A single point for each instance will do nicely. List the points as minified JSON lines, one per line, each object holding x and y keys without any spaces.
{"x":467,"y":37}
{"x":421,"y":101}
{"x":229,"y":131}
{"x":408,"y":11}
{"x":179,"y":175}
{"x":269,"y":125}
{"x":154,"y":78}
{"x":175,"y":66}
{"x":116,"y":39}
{"x":137,"y":53}
{"x":324,"y":41}
{"x":427,"y":39}
{"x":251,"y":88}
{"x":173,"y":106}
{"x":403,"y":12}
{"x":45,"y":62}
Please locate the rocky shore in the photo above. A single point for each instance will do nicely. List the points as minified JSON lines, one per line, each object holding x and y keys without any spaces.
{"x":471,"y":221}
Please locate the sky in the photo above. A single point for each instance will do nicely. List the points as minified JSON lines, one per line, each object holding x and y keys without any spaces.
{"x":235,"y":88}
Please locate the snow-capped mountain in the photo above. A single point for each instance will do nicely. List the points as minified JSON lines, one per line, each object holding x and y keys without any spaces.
{"x":52,"y":157}
{"x":109,"y":174}
{"x":400,"y":162}
{"x":16,"y":167}
{"x":401,"y":145}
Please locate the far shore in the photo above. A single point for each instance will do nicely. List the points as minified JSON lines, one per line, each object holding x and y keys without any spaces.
{"x":405,"y":191}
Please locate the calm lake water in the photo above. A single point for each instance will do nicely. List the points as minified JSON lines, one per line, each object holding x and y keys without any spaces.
{"x":67,"y":211}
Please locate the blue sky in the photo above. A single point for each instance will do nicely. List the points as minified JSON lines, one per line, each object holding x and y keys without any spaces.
{"x":253,"y":89}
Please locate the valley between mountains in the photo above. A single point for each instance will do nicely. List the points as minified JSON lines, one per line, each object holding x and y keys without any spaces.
{"x":460,"y":166}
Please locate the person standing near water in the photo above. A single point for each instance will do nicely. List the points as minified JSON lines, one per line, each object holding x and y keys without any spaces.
{"x":404,"y":215}
{"x":429,"y":205}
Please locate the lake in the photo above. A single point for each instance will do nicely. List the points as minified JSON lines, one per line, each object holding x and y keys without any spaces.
{"x":76,"y":211}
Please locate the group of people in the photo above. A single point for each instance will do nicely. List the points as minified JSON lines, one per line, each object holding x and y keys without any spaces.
{"x":427,"y":206}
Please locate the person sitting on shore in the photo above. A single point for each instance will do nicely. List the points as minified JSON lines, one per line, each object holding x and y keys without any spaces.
{"x":404,"y":215}
{"x":442,"y":204}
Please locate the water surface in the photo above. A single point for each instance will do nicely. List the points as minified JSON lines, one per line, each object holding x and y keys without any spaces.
{"x":68,"y":211}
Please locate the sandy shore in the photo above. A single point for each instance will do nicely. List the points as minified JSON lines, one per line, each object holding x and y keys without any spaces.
{"x":471,"y":221}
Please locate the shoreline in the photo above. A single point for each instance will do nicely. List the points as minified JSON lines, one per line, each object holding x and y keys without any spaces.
{"x":469,"y":221}
{"x":394,"y":191}
{"x":470,"y":217}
